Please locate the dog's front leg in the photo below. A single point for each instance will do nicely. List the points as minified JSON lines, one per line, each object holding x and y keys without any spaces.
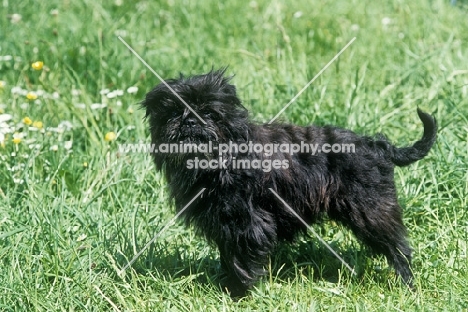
{"x":245,"y":246}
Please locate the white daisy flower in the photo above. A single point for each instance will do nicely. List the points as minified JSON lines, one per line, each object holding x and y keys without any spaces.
{"x":132,"y":90}
{"x":68,"y":145}
{"x":16,"y":18}
{"x":97,"y":106}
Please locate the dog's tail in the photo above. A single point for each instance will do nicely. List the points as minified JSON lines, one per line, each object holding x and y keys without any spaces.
{"x":408,"y":155}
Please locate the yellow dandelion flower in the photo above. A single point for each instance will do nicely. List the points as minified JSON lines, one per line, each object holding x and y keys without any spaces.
{"x":110,"y":136}
{"x":37,"y":65}
{"x":85,"y":164}
{"x":31,"y":96}
{"x":37,"y":124}
{"x":27,"y":121}
{"x":16,"y":140}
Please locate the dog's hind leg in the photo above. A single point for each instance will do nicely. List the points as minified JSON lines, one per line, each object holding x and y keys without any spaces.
{"x":381,"y":228}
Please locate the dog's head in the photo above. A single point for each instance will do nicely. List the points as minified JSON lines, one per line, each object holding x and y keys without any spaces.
{"x":211,"y":112}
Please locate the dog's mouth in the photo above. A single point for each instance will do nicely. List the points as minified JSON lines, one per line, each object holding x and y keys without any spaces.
{"x":195,"y":134}
{"x":188,"y":132}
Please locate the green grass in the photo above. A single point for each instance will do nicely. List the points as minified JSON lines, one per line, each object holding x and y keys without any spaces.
{"x":71,"y":218}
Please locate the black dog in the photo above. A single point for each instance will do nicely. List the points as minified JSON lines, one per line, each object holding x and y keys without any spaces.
{"x":238,"y":212}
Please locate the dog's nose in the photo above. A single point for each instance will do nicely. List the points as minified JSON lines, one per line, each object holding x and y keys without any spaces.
{"x":190,"y":122}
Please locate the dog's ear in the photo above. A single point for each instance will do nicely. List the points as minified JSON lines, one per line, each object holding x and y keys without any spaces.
{"x":224,"y":82}
{"x":221,"y":81}
{"x":156,"y":99}
{"x":230,"y":89}
{"x":151,"y":100}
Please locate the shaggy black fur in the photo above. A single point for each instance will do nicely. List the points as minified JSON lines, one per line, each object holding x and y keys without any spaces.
{"x":240,"y":215}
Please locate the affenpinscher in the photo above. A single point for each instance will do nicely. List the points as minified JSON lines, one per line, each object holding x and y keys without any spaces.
{"x":318,"y":171}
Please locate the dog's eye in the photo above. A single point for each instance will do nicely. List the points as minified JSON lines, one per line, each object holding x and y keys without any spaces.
{"x":174,"y":114}
{"x":207,"y":114}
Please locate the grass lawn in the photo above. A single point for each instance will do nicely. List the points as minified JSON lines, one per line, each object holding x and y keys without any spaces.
{"x":74,"y":211}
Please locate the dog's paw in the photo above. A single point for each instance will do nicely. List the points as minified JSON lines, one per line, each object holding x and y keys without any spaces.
{"x":234,"y":288}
